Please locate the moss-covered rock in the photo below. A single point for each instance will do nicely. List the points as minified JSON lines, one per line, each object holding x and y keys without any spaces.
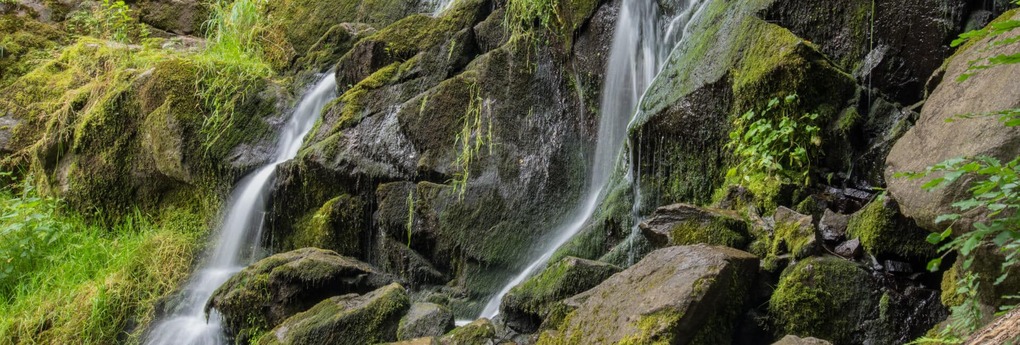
{"x":349,"y":319}
{"x":885,"y":233}
{"x":271,"y":290}
{"x":477,"y":332}
{"x":676,"y":295}
{"x":338,"y":226}
{"x":683,"y":224}
{"x":836,"y":300}
{"x":182,"y":17}
{"x":528,"y":304}
{"x":24,"y":42}
{"x":424,"y":320}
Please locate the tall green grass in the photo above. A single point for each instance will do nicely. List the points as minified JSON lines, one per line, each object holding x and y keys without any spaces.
{"x":234,"y":61}
{"x":70,"y":281}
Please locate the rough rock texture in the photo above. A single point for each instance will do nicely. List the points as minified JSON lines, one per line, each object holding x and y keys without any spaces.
{"x":531,"y":302}
{"x":271,"y":290}
{"x":480,"y":331}
{"x":1002,"y":331}
{"x":348,"y":319}
{"x":836,"y":300}
{"x":933,"y":140}
{"x":424,"y":320}
{"x":795,"y":340}
{"x":676,"y":295}
{"x":684,"y":224}
{"x":182,"y":17}
{"x":885,"y":233}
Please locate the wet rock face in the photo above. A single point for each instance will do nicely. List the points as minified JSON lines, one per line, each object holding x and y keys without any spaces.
{"x":528,"y":304}
{"x":893,"y":45}
{"x":795,"y":340}
{"x":933,"y":140}
{"x":349,"y":319}
{"x":271,"y":290}
{"x":676,"y":295}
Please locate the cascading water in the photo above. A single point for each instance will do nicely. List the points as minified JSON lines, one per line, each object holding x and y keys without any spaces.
{"x":438,"y":6}
{"x":642,"y":41}
{"x":239,"y":236}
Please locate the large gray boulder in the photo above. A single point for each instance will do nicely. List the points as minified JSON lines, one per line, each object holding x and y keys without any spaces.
{"x":933,"y":140}
{"x":424,"y":320}
{"x":349,"y":319}
{"x":271,"y":290}
{"x":676,"y":295}
{"x":684,"y":224}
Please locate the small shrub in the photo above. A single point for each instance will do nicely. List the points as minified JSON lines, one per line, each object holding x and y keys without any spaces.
{"x":774,"y":143}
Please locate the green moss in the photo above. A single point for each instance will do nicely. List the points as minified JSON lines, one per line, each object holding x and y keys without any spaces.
{"x":884,"y":232}
{"x":477,"y":332}
{"x":336,"y":226}
{"x":563,"y":279}
{"x":827,"y":298}
{"x":348,"y":319}
{"x":23,"y":42}
{"x":304,"y":22}
{"x":650,"y":329}
{"x":719,"y":231}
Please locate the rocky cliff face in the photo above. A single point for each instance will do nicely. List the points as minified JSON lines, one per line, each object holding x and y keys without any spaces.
{"x":456,"y":144}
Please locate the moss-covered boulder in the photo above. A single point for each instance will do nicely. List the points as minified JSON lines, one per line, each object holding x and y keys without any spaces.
{"x":480,"y":331}
{"x":837,"y":300}
{"x":349,"y":320}
{"x":885,"y":233}
{"x":24,"y":42}
{"x":525,"y":306}
{"x":425,"y":320}
{"x":933,"y":139}
{"x":676,"y":295}
{"x":828,"y":298}
{"x":684,"y":224}
{"x":264,"y":294}
{"x":338,"y":226}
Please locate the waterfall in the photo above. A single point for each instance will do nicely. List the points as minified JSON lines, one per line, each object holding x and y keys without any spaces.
{"x":642,"y":41}
{"x":240,"y":233}
{"x":438,"y":6}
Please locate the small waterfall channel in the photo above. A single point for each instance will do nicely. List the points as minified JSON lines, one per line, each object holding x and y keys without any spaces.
{"x":240,"y":233}
{"x":642,"y":41}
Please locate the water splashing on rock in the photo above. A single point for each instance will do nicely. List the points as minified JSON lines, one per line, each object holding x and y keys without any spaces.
{"x":642,"y":41}
{"x":240,"y":234}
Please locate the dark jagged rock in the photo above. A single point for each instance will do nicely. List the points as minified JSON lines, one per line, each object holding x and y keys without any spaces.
{"x":832,"y":226}
{"x":425,"y":320}
{"x":683,"y":224}
{"x":348,"y":320}
{"x":182,"y":17}
{"x":678,"y":295}
{"x":528,"y":304}
{"x":933,"y":140}
{"x":273,"y":289}
{"x":850,"y":249}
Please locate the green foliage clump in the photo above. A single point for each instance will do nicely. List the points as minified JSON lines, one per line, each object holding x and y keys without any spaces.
{"x":234,"y":62}
{"x":111,"y":20}
{"x":775,"y":144}
{"x":84,"y":282}
{"x":523,"y":16}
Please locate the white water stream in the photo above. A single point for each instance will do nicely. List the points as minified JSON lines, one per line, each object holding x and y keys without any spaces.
{"x":240,"y":233}
{"x":642,"y":41}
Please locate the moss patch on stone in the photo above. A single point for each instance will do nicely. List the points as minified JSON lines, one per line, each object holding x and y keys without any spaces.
{"x":885,"y":233}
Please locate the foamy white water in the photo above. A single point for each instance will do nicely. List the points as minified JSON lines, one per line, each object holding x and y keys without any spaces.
{"x":642,"y":41}
{"x":240,"y":234}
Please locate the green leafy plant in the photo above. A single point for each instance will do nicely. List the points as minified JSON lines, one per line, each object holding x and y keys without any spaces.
{"x":111,"y":20}
{"x":775,"y":143}
{"x":27,"y":227}
{"x":993,"y":30}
